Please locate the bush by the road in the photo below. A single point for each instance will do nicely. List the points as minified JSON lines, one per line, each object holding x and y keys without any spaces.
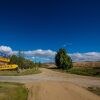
{"x":23,"y":63}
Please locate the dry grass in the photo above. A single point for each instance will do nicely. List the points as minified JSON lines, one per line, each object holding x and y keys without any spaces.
{"x":87,"y":64}
{"x":95,"y":90}
{"x":23,"y":72}
{"x":13,"y":91}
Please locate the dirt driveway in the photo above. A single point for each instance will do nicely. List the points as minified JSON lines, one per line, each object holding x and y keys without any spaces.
{"x":51,"y":85}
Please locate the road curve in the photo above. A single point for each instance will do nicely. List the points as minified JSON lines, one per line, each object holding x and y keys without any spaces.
{"x":49,"y":75}
{"x":51,"y":85}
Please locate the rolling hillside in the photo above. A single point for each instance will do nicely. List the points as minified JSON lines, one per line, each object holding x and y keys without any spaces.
{"x":87,"y":64}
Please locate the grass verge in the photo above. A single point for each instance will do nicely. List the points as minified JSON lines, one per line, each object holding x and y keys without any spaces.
{"x":84,"y":71}
{"x":95,"y":90}
{"x":22,"y":72}
{"x":13,"y":91}
{"x":81,"y":71}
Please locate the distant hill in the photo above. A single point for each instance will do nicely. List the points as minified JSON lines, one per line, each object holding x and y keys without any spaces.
{"x":87,"y":64}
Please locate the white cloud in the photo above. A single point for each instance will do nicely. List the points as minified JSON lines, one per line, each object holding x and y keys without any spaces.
{"x":67,"y":44}
{"x":38,"y":55}
{"x":40,"y":52}
{"x":41,"y":55}
{"x":89,"y":56}
{"x":6,"y":49}
{"x":43,"y":59}
{"x":48,"y":55}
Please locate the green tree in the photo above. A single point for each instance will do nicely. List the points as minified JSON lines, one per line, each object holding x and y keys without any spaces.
{"x":62,"y":60}
{"x":13,"y":59}
{"x":21,"y":59}
{"x":39,"y":64}
{"x":28,"y":64}
{"x":20,"y":62}
{"x":17,"y":60}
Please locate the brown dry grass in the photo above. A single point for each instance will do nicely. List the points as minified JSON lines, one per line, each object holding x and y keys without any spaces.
{"x":87,"y":64}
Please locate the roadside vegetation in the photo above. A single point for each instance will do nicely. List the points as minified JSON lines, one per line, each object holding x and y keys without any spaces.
{"x":13,"y":91}
{"x":21,"y":73}
{"x":95,"y":90}
{"x":22,"y":62}
{"x":62,"y":60}
{"x":25,"y":66}
{"x":64,"y":64}
{"x":85,"y":71}
{"x":95,"y":72}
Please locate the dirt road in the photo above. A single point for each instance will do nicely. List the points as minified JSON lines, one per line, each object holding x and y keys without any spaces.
{"x":52,"y":90}
{"x":51,"y":85}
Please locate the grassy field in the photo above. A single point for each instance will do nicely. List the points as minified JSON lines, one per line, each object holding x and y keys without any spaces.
{"x":85,"y":71}
{"x":81,"y":71}
{"x":13,"y":91}
{"x":95,"y":90}
{"x":22,"y":72}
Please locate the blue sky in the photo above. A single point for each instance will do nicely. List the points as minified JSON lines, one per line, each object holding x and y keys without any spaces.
{"x":50,"y":24}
